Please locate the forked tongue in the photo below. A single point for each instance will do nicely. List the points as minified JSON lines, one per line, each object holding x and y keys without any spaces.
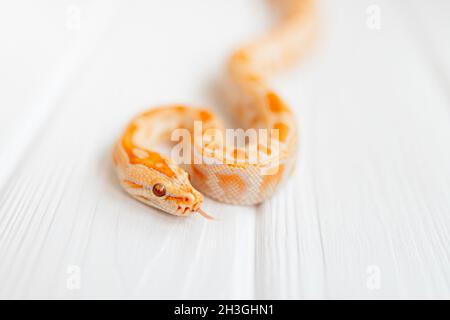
{"x":204,"y":214}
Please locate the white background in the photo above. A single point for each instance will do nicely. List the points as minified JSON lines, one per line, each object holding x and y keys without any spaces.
{"x":366,"y":215}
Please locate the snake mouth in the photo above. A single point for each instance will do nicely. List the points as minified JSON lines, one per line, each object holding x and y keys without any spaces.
{"x":187,"y":211}
{"x":189,"y":208}
{"x":186,"y":204}
{"x":183,"y":210}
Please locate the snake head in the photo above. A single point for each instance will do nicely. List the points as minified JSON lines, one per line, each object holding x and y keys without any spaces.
{"x":172,"y":194}
{"x":176,"y":196}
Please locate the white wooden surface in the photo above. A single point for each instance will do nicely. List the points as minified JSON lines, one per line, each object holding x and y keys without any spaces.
{"x":366,"y":215}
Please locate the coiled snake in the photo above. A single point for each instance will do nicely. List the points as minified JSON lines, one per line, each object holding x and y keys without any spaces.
{"x":227,"y":174}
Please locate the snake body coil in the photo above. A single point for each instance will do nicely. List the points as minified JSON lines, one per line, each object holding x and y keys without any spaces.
{"x":228,"y":174}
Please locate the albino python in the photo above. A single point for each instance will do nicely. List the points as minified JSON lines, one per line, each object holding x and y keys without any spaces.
{"x":228,"y":175}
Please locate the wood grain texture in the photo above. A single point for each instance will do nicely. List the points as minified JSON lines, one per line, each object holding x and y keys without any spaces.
{"x":366,"y":215}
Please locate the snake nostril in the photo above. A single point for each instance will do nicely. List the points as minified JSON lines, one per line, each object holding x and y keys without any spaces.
{"x":189,"y":198}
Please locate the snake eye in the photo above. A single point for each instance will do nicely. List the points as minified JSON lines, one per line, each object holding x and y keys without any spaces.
{"x":159,"y":190}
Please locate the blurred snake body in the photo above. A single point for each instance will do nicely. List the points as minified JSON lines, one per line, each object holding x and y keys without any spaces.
{"x":227,"y":176}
